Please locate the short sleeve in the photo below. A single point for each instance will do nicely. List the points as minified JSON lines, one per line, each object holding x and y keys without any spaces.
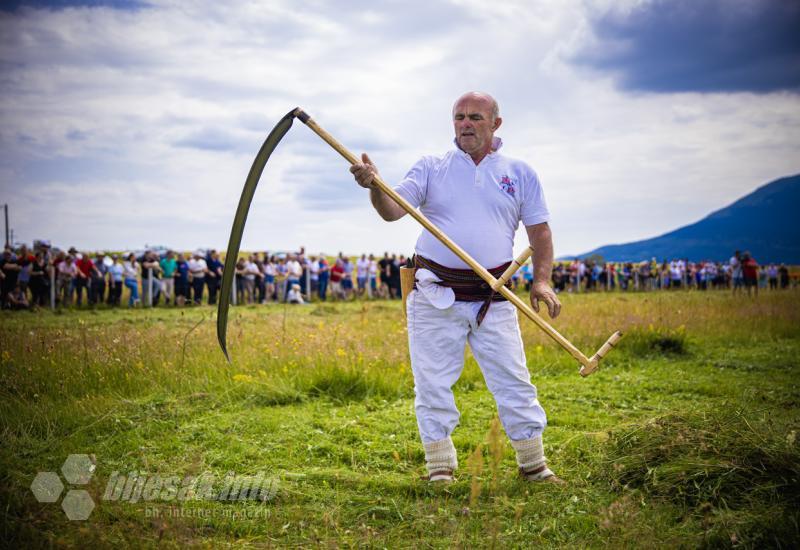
{"x":414,"y":185}
{"x":534,"y":207}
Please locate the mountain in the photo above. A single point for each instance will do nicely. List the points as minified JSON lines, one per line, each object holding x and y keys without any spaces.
{"x":762,"y":222}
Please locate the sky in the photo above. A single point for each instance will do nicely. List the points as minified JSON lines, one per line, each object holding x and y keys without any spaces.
{"x":133,"y":123}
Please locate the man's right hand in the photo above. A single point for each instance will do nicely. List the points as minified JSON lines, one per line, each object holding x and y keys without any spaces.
{"x":364,"y":172}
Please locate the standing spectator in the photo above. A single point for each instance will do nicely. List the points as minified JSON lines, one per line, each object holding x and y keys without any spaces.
{"x":394,"y":276}
{"x":750,"y":273}
{"x":783,"y":275}
{"x":242,"y":290}
{"x":213,"y":276}
{"x":116,"y":275}
{"x":86,"y":270}
{"x":40,"y":280}
{"x":527,"y":276}
{"x":337,"y":274}
{"x":772,"y":274}
{"x":762,"y":277}
{"x":130,"y":272}
{"x":168,"y":266}
{"x":97,"y":288}
{"x":270,"y":272}
{"x":373,"y":275}
{"x":197,"y":272}
{"x":181,"y":276}
{"x":347,"y":278}
{"x":313,"y":275}
{"x":67,"y":270}
{"x":261,"y":282}
{"x":362,"y":272}
{"x":675,"y":274}
{"x":151,"y":277}
{"x":736,"y":271}
{"x":324,"y":276}
{"x":280,"y":280}
{"x":250,"y":275}
{"x":385,"y":272}
{"x":10,"y":273}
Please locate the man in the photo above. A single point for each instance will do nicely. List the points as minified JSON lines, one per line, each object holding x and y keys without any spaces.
{"x":213,"y":276}
{"x":477,"y":197}
{"x":168,"y":266}
{"x":86,"y":269}
{"x":750,"y":273}
{"x":197,"y":271}
{"x":384,"y":264}
{"x":181,"y":277}
{"x":373,"y":276}
{"x":97,"y":288}
{"x":362,"y":272}
{"x":9,"y":268}
{"x":293,"y":273}
{"x":736,"y":271}
{"x":151,"y":277}
{"x":347,"y":278}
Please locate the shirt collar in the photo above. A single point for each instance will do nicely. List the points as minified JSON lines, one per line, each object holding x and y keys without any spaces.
{"x":497,"y":143}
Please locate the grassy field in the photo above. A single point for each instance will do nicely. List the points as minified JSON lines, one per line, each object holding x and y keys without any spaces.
{"x":685,"y":438}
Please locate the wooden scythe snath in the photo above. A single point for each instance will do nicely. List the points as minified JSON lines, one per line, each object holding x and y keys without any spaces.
{"x":588,"y":365}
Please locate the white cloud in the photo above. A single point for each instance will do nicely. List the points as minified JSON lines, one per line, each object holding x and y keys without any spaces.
{"x":125,"y":127}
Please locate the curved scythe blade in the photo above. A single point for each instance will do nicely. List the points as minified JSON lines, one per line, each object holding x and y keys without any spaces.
{"x":249,"y":190}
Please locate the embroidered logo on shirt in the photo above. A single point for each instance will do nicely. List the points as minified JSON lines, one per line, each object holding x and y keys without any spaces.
{"x":508,"y":185}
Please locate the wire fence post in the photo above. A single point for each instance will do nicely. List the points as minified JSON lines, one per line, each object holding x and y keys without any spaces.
{"x":308,"y":284}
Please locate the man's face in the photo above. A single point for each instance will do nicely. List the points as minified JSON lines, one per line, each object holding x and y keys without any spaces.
{"x":474,"y":125}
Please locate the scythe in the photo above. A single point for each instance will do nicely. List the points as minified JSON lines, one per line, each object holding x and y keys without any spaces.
{"x":588,"y":365}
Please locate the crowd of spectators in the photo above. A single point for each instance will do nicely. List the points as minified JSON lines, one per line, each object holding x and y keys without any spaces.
{"x":741,"y":273}
{"x":42,"y":277}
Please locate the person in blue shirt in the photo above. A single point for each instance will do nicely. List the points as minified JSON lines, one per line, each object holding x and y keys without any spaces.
{"x":181,"y":281}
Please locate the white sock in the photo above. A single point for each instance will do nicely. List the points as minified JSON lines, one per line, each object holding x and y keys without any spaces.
{"x":440,"y":455}
{"x":530,"y":453}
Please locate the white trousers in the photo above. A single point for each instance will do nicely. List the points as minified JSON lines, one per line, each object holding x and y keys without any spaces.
{"x":437,"y":339}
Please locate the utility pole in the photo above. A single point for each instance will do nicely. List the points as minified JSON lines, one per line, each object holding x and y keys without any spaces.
{"x":5,"y":208}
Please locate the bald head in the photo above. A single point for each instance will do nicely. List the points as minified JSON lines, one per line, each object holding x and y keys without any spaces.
{"x":476,"y":116}
{"x":482,"y":98}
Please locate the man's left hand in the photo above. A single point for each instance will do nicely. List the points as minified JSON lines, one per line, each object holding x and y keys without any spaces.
{"x":543,"y":292}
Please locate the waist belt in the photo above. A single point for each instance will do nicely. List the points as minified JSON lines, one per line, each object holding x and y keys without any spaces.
{"x":466,"y":284}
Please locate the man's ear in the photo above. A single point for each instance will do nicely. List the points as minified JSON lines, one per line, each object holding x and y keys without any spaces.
{"x":497,"y":122}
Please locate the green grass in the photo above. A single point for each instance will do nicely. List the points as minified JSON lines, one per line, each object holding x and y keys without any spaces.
{"x":686,"y":437}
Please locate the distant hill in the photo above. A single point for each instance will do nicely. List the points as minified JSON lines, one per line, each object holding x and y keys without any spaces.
{"x":765,"y":222}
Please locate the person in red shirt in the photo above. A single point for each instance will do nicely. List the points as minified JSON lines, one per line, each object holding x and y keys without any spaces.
{"x":85,"y":270}
{"x":750,"y":273}
{"x":337,"y":274}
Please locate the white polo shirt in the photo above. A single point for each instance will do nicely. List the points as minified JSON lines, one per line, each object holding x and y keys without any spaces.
{"x":478,"y":207}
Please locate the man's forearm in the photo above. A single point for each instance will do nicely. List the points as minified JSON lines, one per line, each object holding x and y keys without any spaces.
{"x":541,"y":238}
{"x":384,"y":205}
